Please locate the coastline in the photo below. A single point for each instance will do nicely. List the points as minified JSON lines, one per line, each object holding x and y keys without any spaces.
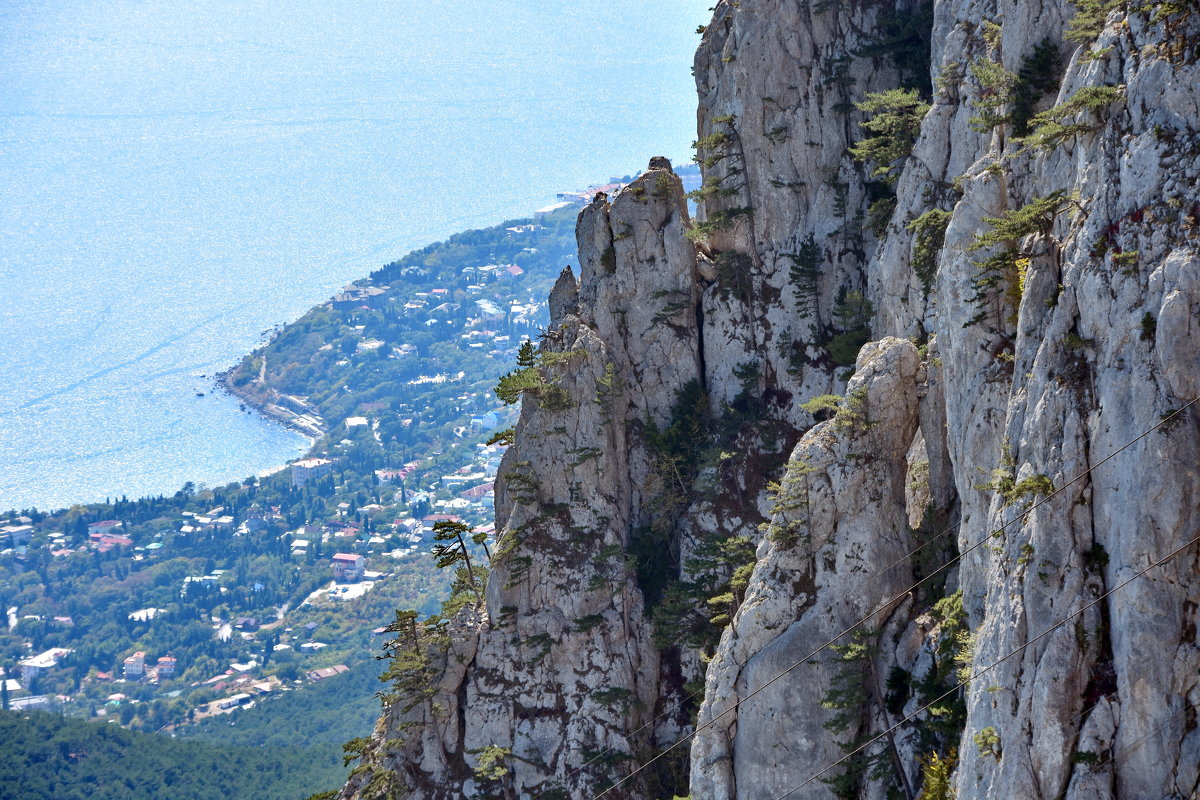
{"x":307,"y":424}
{"x":294,"y":413}
{"x":301,"y":418}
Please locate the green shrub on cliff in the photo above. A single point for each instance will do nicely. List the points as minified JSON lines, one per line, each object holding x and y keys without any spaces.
{"x":894,"y":120}
{"x":1089,"y":18}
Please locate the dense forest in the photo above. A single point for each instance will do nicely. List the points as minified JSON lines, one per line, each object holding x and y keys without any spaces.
{"x":330,"y":711}
{"x":43,"y":755}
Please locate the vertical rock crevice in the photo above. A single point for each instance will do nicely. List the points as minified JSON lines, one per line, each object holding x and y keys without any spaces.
{"x":1028,"y":301}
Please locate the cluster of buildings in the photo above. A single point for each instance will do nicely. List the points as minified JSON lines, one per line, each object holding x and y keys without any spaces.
{"x":136,"y":668}
{"x":473,"y":485}
{"x":214,"y":521}
{"x":465,"y":493}
{"x":359,"y":297}
{"x":104,"y":542}
{"x":15,"y":694}
{"x":204,"y":583}
{"x":489,"y":319}
{"x":485,"y":317}
{"x":584,"y":197}
{"x":295,"y":412}
{"x":104,"y":535}
{"x":239,"y":690}
{"x":15,"y":537}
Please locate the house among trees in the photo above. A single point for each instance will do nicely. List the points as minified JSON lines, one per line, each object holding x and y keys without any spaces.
{"x":165,"y":668}
{"x":16,"y":535}
{"x":348,"y":566}
{"x":104,"y":542}
{"x":359,"y":296}
{"x":255,"y":518}
{"x":103,"y":526}
{"x":309,"y":469}
{"x":35,"y":665}
{"x":135,"y":666}
{"x":485,"y":422}
{"x":211,"y":523}
{"x":327,"y":672}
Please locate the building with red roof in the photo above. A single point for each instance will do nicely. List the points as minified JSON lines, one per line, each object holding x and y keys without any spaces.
{"x":348,"y":566}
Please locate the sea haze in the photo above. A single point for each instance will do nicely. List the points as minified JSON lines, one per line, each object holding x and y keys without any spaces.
{"x":179,"y":177}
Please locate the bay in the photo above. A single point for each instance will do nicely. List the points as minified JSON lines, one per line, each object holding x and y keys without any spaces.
{"x":180,"y":177}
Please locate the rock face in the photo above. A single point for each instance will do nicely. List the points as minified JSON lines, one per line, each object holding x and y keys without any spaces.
{"x":1087,"y":368}
{"x":783,"y":198}
{"x":1010,"y":310}
{"x":841,"y":514}
{"x":1063,"y":369}
{"x":558,"y":667}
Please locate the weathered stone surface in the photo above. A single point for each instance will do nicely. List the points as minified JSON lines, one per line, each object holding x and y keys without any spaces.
{"x":560,"y":667}
{"x":1090,"y":358}
{"x":1083,"y":379}
{"x":1087,"y":341}
{"x":842,"y":513}
{"x":777,"y":81}
{"x":564,"y":297}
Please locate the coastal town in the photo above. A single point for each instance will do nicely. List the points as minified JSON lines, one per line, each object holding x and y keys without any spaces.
{"x":163,"y":612}
{"x":346,"y":556}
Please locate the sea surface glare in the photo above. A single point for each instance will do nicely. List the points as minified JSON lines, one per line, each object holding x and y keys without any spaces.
{"x":179,"y":177}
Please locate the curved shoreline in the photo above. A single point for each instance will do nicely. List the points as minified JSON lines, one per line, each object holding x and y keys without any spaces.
{"x":272,"y":411}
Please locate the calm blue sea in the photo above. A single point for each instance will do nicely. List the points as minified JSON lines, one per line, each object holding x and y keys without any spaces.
{"x":180,"y":176}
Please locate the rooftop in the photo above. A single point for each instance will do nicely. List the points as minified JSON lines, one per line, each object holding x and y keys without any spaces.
{"x":310,"y":463}
{"x":47,"y":659}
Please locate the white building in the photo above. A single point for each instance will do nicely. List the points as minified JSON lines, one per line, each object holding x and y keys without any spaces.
{"x":135,"y":666}
{"x":36,"y":665}
{"x":309,"y":469}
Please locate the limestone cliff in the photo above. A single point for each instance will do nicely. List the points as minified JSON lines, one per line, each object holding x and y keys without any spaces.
{"x":559,"y":667}
{"x":907,"y":405}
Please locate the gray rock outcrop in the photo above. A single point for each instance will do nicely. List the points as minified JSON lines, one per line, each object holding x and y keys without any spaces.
{"x":949,"y":397}
{"x":1057,"y":365}
{"x":841,"y":512}
{"x":558,"y":666}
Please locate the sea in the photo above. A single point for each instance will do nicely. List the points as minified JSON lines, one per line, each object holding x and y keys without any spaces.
{"x":181,"y":176}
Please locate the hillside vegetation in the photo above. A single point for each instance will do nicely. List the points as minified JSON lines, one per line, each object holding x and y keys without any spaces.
{"x":43,"y":755}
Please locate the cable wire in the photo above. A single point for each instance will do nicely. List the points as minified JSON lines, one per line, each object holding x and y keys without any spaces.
{"x":989,"y":667}
{"x":1167,"y":418}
